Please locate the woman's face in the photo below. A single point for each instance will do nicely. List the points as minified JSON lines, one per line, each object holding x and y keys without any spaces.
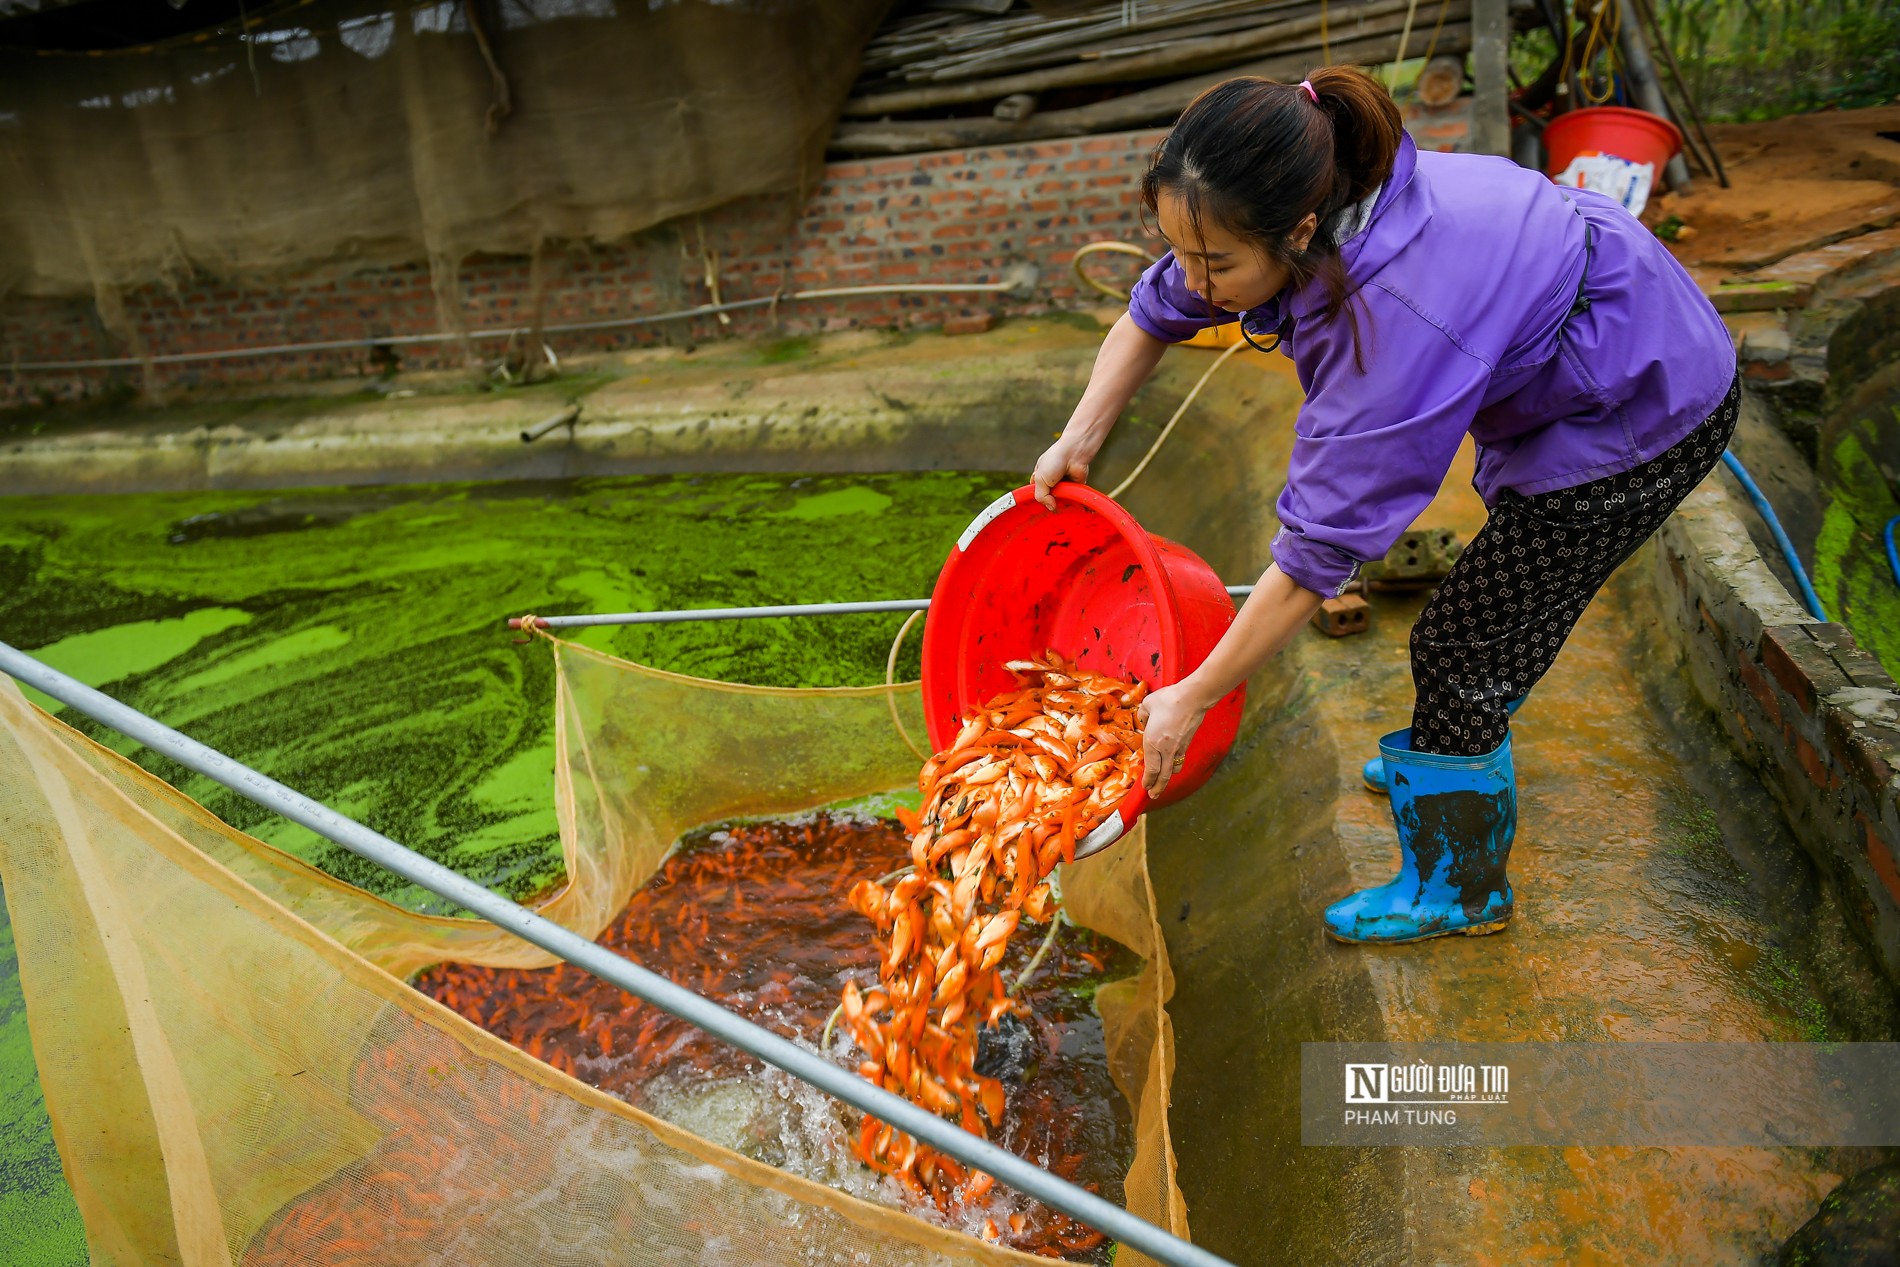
{"x":1225,"y":270}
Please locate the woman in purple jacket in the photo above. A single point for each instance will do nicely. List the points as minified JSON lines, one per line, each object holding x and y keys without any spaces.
{"x":1422,"y":297}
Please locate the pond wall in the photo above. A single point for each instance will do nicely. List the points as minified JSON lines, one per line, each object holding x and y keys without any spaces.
{"x":1814,"y":715}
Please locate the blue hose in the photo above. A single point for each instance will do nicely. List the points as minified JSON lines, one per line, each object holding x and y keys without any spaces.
{"x":1808,"y":597}
{"x":1893,"y":557}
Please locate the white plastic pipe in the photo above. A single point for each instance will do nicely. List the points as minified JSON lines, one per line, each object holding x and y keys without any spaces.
{"x":1019,"y":280}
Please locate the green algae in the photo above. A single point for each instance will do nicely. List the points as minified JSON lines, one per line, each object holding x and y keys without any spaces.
{"x":1851,"y":571}
{"x":39,"y":1223}
{"x":103,"y":656}
{"x":350,"y":642}
{"x":795,"y":348}
{"x":843,"y":501}
{"x":1718,"y":895}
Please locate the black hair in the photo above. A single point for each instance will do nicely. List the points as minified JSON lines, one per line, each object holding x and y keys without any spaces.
{"x":1257,"y":157}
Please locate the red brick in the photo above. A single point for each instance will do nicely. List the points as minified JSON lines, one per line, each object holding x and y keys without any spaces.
{"x":1813,"y":764}
{"x":969,"y":323}
{"x":1779,"y":647}
{"x":1675,"y":570}
{"x":1880,"y":857}
{"x":1869,"y":764}
{"x":1758,"y":686}
{"x":1708,"y":619}
{"x":864,"y":223}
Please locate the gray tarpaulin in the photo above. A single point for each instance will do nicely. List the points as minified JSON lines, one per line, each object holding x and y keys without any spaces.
{"x":350,"y":130}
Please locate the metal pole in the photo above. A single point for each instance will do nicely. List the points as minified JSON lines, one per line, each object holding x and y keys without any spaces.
{"x":751,"y":613}
{"x":724,"y":613}
{"x":1694,"y":111}
{"x":1642,"y":77}
{"x":1490,"y":77}
{"x":782,"y":1053}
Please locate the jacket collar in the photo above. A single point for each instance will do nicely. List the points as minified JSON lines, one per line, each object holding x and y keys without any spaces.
{"x":1400,"y":209}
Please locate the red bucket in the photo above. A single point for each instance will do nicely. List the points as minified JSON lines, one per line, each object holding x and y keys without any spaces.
{"x":1086,"y":582}
{"x":1634,"y":135}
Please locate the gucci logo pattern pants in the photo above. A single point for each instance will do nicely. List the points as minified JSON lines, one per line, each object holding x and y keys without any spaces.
{"x":1496,"y":623}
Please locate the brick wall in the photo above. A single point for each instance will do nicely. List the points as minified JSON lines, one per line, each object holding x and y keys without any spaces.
{"x":955,"y":216}
{"x":1813,"y":714}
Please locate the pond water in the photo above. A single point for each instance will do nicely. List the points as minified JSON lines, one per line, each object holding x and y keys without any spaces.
{"x":754,"y":915}
{"x":350,"y":643}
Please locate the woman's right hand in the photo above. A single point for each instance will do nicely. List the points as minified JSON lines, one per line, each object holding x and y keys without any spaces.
{"x":1067,"y":459}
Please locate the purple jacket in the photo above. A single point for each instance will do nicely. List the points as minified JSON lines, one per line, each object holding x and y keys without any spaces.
{"x":1466,"y":273}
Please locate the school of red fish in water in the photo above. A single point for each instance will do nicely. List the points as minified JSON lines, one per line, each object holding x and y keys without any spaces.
{"x":1034,"y":771}
{"x":1026,"y":778}
{"x":715,"y":917}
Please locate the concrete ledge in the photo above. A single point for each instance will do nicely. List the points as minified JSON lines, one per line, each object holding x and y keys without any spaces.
{"x":715,"y":411}
{"x":1809,"y":296}
{"x":1815,"y":716}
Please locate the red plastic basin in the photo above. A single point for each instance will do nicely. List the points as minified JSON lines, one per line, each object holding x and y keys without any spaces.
{"x":1087,"y":582}
{"x":1628,"y":134}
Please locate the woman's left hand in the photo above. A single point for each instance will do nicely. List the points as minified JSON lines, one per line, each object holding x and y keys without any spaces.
{"x":1169,"y":717}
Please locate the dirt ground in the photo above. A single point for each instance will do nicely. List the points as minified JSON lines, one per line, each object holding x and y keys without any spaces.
{"x":1795,"y":184}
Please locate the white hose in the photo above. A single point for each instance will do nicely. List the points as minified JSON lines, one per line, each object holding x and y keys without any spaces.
{"x":1096,"y":248}
{"x":890,"y":682}
{"x":1116,"y":492}
{"x":509,"y":332}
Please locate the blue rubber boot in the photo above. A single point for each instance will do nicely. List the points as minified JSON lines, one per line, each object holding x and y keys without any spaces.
{"x":1374,"y":771}
{"x":1456,"y":817}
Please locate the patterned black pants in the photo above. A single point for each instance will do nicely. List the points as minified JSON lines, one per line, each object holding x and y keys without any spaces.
{"x":1496,"y":623}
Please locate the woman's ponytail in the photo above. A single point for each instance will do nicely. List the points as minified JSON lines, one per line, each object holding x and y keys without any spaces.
{"x":1366,"y":127}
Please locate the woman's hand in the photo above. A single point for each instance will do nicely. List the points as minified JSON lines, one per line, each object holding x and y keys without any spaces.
{"x":1129,"y":354}
{"x":1272,"y":615}
{"x":1169,"y":717}
{"x":1067,"y":459}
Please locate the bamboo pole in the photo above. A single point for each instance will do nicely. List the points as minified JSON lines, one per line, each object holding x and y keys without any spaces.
{"x":1648,"y":90}
{"x":963,"y":48}
{"x":1136,"y":109}
{"x":1178,"y":59}
{"x":1690,"y":108}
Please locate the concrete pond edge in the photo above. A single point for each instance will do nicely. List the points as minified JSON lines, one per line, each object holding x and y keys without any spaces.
{"x":1815,"y":716}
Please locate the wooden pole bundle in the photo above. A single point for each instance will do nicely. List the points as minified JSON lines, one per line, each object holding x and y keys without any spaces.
{"x":951,"y":46}
{"x":1296,"y":37}
{"x":1269,"y":28}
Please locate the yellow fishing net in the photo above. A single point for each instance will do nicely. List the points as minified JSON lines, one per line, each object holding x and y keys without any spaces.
{"x":234,"y":1064}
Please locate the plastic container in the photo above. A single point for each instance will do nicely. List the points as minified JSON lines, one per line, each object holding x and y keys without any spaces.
{"x":1087,"y":582}
{"x":1612,"y":149}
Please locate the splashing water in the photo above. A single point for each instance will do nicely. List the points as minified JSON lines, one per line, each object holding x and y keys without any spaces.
{"x":753,"y":916}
